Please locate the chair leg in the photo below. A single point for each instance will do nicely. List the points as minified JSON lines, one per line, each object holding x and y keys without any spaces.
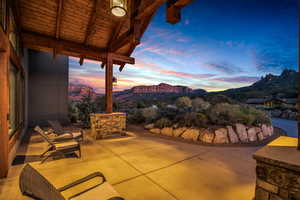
{"x":48,"y":149}
{"x":79,"y":150}
{"x":46,"y":157}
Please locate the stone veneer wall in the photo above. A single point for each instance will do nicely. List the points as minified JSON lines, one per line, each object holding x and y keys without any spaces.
{"x":278,"y":170}
{"x":103,"y":124}
{"x":238,"y":133}
{"x":276,"y":183}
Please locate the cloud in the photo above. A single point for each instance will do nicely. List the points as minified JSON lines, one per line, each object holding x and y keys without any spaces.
{"x":154,"y":68}
{"x":237,"y":79}
{"x":223,"y":67}
{"x":276,"y":54}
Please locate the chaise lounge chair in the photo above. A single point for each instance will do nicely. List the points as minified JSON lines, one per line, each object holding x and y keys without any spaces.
{"x":33,"y":184}
{"x":60,"y":131}
{"x":65,"y":147}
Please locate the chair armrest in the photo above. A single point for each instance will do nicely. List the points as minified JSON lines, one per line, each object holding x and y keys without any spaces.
{"x":116,"y":198}
{"x":82,"y":180}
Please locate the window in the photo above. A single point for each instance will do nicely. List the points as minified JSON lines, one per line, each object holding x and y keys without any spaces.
{"x":16,"y":99}
{"x":3,"y":14}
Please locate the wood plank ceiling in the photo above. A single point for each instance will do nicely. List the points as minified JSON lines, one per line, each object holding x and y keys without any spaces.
{"x":86,"y":28}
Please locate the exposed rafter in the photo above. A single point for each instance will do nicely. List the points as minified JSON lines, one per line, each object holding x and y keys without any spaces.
{"x":150,"y":9}
{"x":58,"y":23}
{"x":174,"y":10}
{"x":91,"y":24}
{"x":42,"y":42}
{"x":143,"y":26}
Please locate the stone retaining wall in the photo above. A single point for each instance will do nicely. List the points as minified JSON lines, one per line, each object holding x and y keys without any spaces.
{"x":238,"y":133}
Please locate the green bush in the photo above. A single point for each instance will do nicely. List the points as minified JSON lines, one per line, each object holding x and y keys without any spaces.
{"x":136,"y":117}
{"x":183,"y":103}
{"x":198,"y":104}
{"x":85,"y":107}
{"x":230,"y":114}
{"x":150,"y":114}
{"x":162,"y":123}
{"x":192,"y":119}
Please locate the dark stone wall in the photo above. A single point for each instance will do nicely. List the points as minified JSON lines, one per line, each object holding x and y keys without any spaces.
{"x":276,"y":183}
{"x":48,"y":81}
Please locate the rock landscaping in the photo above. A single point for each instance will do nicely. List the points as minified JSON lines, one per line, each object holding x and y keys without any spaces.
{"x":236,"y":134}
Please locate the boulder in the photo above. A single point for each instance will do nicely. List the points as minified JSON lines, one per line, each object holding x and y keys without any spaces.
{"x":221,"y":136}
{"x":167,"y":131}
{"x":207,"y":136}
{"x":232,"y":135}
{"x":149,"y":126}
{"x":191,"y":134}
{"x":155,"y":130}
{"x":178,"y":131}
{"x":260,"y":136}
{"x":266,"y":130}
{"x":252,"y":134}
{"x":241,"y":132}
{"x":271,"y":130}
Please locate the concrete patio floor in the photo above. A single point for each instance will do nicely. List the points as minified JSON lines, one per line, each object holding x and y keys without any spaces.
{"x":148,"y":168}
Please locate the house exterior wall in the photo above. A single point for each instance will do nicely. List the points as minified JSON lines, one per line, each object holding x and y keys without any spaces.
{"x":47,"y":88}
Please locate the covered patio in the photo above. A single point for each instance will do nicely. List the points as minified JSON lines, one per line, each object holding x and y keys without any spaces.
{"x":145,"y":167}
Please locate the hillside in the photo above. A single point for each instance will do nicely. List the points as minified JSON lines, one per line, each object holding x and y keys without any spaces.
{"x":285,"y":85}
{"x":162,"y":90}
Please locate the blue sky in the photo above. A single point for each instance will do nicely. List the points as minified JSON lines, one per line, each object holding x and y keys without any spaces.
{"x":217,"y":45}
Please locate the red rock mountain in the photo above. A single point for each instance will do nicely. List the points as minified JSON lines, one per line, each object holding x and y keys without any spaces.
{"x":76,"y":92}
{"x":161,"y":88}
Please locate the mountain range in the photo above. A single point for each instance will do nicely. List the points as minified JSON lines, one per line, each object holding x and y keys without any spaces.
{"x":283,"y":85}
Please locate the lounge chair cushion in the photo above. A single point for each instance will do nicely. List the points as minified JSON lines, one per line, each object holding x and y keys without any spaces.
{"x":71,"y":135}
{"x":66,"y":145}
{"x":102,"y":192}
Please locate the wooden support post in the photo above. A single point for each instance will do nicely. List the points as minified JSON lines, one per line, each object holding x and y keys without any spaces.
{"x":108,"y":84}
{"x":4,"y":106}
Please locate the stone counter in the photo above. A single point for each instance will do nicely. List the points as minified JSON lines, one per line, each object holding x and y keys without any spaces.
{"x":278,"y":170}
{"x":103,"y":124}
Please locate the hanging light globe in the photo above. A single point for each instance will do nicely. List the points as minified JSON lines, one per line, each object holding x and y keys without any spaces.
{"x":118,"y":7}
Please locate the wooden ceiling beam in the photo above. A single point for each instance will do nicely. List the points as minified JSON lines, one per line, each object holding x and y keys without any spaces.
{"x":58,"y":23}
{"x":182,"y":3}
{"x":174,"y":10}
{"x":38,"y":42}
{"x":142,"y":27}
{"x":91,"y":25}
{"x":115,"y":34}
{"x":150,"y":9}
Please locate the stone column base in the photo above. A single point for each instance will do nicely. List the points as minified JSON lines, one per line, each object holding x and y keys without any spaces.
{"x":103,"y":124}
{"x":278,"y":170}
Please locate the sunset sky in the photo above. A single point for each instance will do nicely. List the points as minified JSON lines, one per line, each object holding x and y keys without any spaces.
{"x":217,"y":45}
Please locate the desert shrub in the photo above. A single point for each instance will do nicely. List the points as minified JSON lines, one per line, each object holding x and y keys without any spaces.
{"x":169,"y":113}
{"x":72,"y":112}
{"x":230,"y":114}
{"x":85,"y":107}
{"x":218,"y":98}
{"x":183,"y":103}
{"x":136,"y":117}
{"x":198,"y":104}
{"x":192,"y":119}
{"x":162,"y":123}
{"x":150,"y":114}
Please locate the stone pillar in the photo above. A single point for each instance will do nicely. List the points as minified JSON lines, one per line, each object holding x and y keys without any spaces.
{"x":278,"y":170}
